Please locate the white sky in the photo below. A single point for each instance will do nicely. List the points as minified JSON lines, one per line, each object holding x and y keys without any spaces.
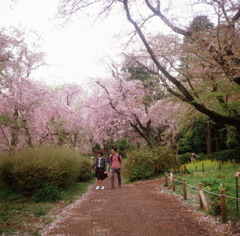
{"x":73,"y":52}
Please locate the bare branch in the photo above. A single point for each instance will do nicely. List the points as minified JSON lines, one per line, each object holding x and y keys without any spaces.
{"x":236,"y":16}
{"x":109,"y":97}
{"x":158,"y":13}
{"x":187,"y":97}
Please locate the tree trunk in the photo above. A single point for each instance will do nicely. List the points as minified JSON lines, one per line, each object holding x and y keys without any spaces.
{"x":184,"y":94}
{"x":217,"y":141}
{"x":208,"y":138}
{"x":29,"y":137}
{"x":14,"y":130}
{"x":74,"y":140}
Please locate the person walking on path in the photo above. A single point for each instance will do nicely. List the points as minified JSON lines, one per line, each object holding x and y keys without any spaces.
{"x":193,"y":156}
{"x":101,"y":171}
{"x":115,"y":162}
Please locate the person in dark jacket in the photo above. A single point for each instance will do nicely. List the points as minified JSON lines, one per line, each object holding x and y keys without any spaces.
{"x":101,"y":171}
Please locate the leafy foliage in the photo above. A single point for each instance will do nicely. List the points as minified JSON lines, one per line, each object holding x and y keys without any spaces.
{"x":184,"y":158}
{"x":84,"y":170}
{"x":213,"y":184}
{"x":227,"y":155}
{"x":47,"y":192}
{"x":26,"y":169}
{"x":145,"y":162}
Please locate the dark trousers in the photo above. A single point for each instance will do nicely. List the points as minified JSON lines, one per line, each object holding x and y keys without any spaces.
{"x":118,"y":171}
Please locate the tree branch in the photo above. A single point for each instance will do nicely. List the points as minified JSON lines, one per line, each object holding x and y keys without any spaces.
{"x":187,"y":96}
{"x":158,"y":13}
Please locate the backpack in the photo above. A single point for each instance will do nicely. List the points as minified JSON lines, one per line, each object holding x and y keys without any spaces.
{"x":119,"y":159}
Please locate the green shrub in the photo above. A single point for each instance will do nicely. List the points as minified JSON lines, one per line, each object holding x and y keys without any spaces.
{"x":84,"y":170}
{"x":2,"y":162}
{"x":142,"y":171}
{"x":26,"y":169}
{"x":47,"y":192}
{"x":203,"y":157}
{"x":184,"y":158}
{"x":227,"y":155}
{"x":163,"y":160}
{"x":145,"y":162}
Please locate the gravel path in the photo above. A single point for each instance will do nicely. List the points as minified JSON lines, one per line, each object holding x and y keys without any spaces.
{"x":137,"y":209}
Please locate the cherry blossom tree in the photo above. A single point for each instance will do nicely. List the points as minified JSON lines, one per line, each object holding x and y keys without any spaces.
{"x":211,"y":82}
{"x":21,"y":113}
{"x":72,"y":123}
{"x":32,"y":113}
{"x":121,"y":111}
{"x":17,"y":60}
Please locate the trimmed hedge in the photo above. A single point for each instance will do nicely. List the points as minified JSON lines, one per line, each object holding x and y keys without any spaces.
{"x":146,"y":162}
{"x":224,"y":156}
{"x":227,"y":155}
{"x":27,"y":169}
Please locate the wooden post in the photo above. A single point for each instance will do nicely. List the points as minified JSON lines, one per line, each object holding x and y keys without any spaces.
{"x":173,"y":183}
{"x":200,"y":200}
{"x":166,"y":179}
{"x":184,"y":189}
{"x":195,"y":168}
{"x":204,"y":202}
{"x":234,"y":163}
{"x":237,"y":194}
{"x":202,"y":167}
{"x":180,"y":169}
{"x":223,"y":206}
{"x":219,"y":165}
{"x":171,"y":174}
{"x":237,"y":175}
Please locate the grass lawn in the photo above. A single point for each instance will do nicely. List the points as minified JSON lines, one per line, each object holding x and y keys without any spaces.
{"x":213,"y":178}
{"x":19,"y":214}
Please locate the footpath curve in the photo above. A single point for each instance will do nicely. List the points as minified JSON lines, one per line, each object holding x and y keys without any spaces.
{"x":136,"y":209}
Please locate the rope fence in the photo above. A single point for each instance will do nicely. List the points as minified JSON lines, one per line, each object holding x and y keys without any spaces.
{"x":202,"y":199}
{"x":180,"y":182}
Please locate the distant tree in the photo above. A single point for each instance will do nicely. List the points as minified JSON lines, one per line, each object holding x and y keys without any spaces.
{"x":17,"y":59}
{"x":215,"y":51}
{"x":120,"y":112}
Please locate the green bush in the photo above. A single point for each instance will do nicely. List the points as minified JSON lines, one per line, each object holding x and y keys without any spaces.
{"x":26,"y":169}
{"x":145,"y":162}
{"x":202,"y":157}
{"x":2,"y":162}
{"x":184,"y":158}
{"x":227,"y":155}
{"x":142,"y":171}
{"x":84,"y":170}
{"x":47,"y":192}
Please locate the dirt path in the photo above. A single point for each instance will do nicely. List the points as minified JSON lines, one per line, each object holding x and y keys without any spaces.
{"x":139,"y":209}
